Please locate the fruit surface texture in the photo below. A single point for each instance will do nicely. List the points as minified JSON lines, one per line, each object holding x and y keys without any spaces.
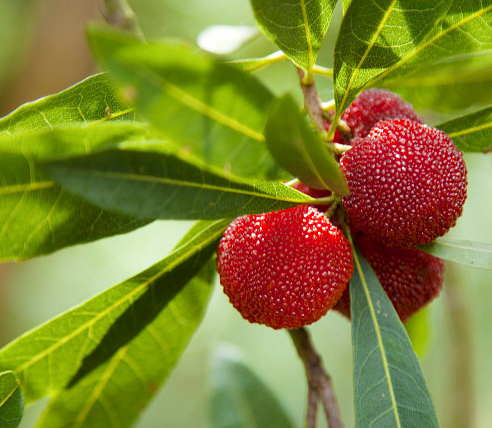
{"x":407,"y":183}
{"x":410,"y":277}
{"x":284,"y":269}
{"x":370,"y":107}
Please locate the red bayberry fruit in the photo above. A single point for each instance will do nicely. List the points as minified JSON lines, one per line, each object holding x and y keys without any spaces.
{"x":372,"y":106}
{"x":284,"y":269}
{"x":410,"y":277}
{"x":407,"y":183}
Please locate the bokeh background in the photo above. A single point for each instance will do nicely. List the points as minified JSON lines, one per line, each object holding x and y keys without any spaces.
{"x":43,"y":50}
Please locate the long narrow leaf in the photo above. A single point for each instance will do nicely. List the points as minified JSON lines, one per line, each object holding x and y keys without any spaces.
{"x":389,"y":387}
{"x":166,"y":185}
{"x":47,"y":358}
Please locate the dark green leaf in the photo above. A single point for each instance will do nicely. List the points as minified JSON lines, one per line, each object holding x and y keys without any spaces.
{"x":467,"y":253}
{"x":447,"y":85}
{"x":239,"y":399}
{"x":214,"y":110}
{"x":472,"y":132}
{"x":299,"y":149}
{"x":141,"y":365}
{"x":389,"y":386}
{"x":402,"y":36}
{"x":92,"y":99}
{"x":47,"y":358}
{"x":297,"y":27}
{"x":36,"y":215}
{"x":161,"y":183}
{"x":11,"y":400}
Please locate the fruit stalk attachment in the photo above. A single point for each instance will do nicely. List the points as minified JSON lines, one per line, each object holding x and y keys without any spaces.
{"x":320,"y":386}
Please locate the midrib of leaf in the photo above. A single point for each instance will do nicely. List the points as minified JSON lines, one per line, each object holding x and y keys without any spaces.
{"x":195,"y":104}
{"x":464,"y":247}
{"x":113,"y":116}
{"x":130,"y":295}
{"x":9,"y":396}
{"x":470,"y":130}
{"x":308,"y":160}
{"x":105,"y":377}
{"x":29,"y":187}
{"x":380,"y":340}
{"x":308,"y":37}
{"x":429,"y":42}
{"x":182,"y":183}
{"x":369,"y":47}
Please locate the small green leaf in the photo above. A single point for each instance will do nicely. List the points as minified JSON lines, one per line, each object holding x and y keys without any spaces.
{"x":297,"y":27}
{"x":141,"y":366}
{"x":214,"y":110}
{"x":418,"y":330}
{"x":446,"y":85}
{"x":225,"y":39}
{"x":164,"y":184}
{"x":299,"y":149}
{"x":402,"y":37}
{"x":463,"y":252}
{"x":36,"y":215}
{"x":389,"y":386}
{"x":92,"y":99}
{"x":239,"y":398}
{"x":11,"y":400}
{"x":472,"y":132}
{"x":47,"y":358}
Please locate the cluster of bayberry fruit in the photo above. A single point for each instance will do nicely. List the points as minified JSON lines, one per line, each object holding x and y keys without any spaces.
{"x":407,"y":185}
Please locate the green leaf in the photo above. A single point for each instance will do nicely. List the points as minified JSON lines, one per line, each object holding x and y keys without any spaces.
{"x":239,"y":398}
{"x":161,"y":183}
{"x":472,"y":132}
{"x":463,"y":252}
{"x":128,"y":381}
{"x":346,"y":4}
{"x":36,"y":215}
{"x":447,"y":85}
{"x":48,"y":357}
{"x":11,"y":400}
{"x":299,"y":149}
{"x":389,"y":386}
{"x":402,"y":37}
{"x":418,"y":330}
{"x":214,"y":110}
{"x":297,"y":27}
{"x":92,"y":99}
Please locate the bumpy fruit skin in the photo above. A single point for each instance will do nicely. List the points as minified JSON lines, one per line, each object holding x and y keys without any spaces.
{"x":410,"y":277}
{"x":284,"y":269}
{"x":407,"y":184}
{"x":372,"y":106}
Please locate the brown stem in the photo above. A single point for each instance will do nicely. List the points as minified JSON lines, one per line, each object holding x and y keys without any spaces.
{"x":119,"y":14}
{"x":313,"y":105}
{"x":312,"y":407}
{"x":318,"y":379}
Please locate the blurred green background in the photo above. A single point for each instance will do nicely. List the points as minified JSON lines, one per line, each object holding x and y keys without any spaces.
{"x":43,"y":51}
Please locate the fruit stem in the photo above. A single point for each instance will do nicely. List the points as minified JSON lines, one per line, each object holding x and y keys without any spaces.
{"x":337,"y":148}
{"x":312,"y":101}
{"x":319,"y":382}
{"x":118,"y":13}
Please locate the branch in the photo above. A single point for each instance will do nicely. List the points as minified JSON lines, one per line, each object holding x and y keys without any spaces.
{"x":119,"y":14}
{"x":318,"y":379}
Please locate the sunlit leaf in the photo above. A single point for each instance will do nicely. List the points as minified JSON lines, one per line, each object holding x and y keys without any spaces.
{"x":299,"y":149}
{"x":164,"y":184}
{"x":130,"y":379}
{"x":297,"y":27}
{"x":463,"y":252}
{"x":11,"y":400}
{"x":92,"y":99}
{"x":446,"y":85}
{"x":418,"y":329}
{"x":36,"y":215}
{"x":239,"y":398}
{"x":403,"y":36}
{"x":472,"y":132}
{"x":214,"y":110}
{"x":47,"y":358}
{"x":225,"y":39}
{"x":389,"y":386}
